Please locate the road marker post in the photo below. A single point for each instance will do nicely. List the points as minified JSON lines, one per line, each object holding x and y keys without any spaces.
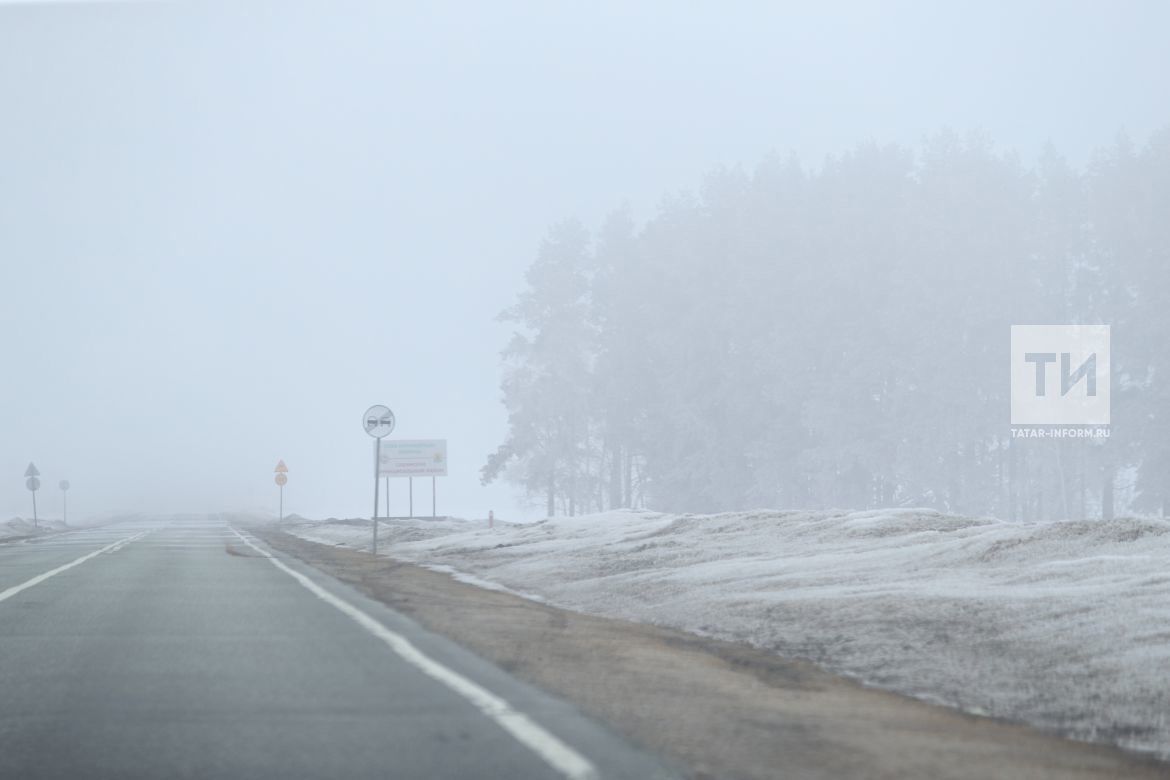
{"x":378,"y":421}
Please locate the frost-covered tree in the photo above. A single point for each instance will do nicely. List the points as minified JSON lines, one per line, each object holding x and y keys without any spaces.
{"x":547,"y":374}
{"x":838,"y":337}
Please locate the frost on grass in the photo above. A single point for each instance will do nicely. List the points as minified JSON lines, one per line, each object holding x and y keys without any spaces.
{"x":1065,"y":625}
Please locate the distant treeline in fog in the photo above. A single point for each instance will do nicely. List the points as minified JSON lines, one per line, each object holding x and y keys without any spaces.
{"x":839,"y":337}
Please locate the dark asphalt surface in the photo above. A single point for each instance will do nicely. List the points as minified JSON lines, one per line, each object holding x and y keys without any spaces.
{"x":184,"y":652}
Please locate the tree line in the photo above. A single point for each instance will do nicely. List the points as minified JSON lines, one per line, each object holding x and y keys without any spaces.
{"x":838,"y":336}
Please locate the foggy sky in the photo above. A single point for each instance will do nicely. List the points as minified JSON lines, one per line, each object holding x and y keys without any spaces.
{"x":227,"y":230}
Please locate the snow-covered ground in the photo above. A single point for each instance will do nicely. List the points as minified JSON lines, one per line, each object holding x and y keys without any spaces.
{"x":18,"y":528}
{"x":1065,"y":625}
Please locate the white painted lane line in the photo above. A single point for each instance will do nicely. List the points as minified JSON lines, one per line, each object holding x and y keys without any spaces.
{"x":119,"y":545}
{"x":7,"y":594}
{"x":527,"y":732}
{"x":159,"y":544}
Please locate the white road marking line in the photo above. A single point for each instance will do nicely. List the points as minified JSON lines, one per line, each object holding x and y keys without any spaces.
{"x":119,"y":545}
{"x":159,"y":544}
{"x":7,"y":594}
{"x":527,"y":732}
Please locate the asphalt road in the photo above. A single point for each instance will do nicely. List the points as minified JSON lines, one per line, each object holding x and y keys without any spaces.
{"x":186,"y":648}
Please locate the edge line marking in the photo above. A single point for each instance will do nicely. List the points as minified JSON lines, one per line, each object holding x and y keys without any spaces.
{"x":526,"y":731}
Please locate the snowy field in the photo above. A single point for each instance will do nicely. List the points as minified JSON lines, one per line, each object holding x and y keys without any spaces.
{"x":1065,"y":625}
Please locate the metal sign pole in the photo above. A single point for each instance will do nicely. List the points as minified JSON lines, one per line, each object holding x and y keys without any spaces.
{"x":378,"y":421}
{"x":377,"y":460}
{"x":64,"y":507}
{"x":280,"y":517}
{"x":411,"y":481}
{"x":34,"y":509}
{"x":432,"y":498}
{"x":387,"y":495}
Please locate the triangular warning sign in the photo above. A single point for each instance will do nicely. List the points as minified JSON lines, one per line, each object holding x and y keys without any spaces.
{"x":281,"y":468}
{"x":31,"y":471}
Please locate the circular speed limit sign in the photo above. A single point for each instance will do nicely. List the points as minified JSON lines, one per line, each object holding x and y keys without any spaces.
{"x":378,"y":421}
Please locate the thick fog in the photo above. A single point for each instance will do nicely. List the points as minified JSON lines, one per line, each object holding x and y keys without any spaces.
{"x":227,"y":230}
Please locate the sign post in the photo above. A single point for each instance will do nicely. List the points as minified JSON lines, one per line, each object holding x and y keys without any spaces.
{"x":33,"y":483}
{"x":64,"y":485}
{"x":378,"y":422}
{"x":281,"y":480}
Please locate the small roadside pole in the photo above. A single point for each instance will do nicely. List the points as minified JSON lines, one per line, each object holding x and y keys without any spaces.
{"x":432,"y":498}
{"x":64,"y":485}
{"x":33,"y":483}
{"x":281,"y":480}
{"x":378,"y":421}
{"x":491,"y":519}
{"x":410,"y":483}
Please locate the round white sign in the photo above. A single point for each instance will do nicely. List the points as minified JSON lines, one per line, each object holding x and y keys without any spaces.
{"x":378,"y":421}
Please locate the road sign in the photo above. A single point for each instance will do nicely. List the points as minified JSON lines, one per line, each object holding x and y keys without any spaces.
{"x":33,"y":483}
{"x":378,"y":421}
{"x":64,"y":485}
{"x":281,"y":480}
{"x":413,"y":458}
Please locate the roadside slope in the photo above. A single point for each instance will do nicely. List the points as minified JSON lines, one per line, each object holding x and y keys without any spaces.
{"x":1057,"y":624}
{"x":722,"y":709}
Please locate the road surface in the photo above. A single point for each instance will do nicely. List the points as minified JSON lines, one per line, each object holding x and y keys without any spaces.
{"x":187,"y":648}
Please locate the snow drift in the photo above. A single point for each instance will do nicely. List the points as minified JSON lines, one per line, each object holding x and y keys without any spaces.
{"x":19,"y":528}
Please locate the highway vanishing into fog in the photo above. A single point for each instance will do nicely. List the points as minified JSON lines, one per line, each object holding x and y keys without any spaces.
{"x":186,"y":648}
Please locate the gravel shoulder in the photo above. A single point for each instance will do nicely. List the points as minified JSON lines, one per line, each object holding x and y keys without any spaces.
{"x":716,"y":708}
